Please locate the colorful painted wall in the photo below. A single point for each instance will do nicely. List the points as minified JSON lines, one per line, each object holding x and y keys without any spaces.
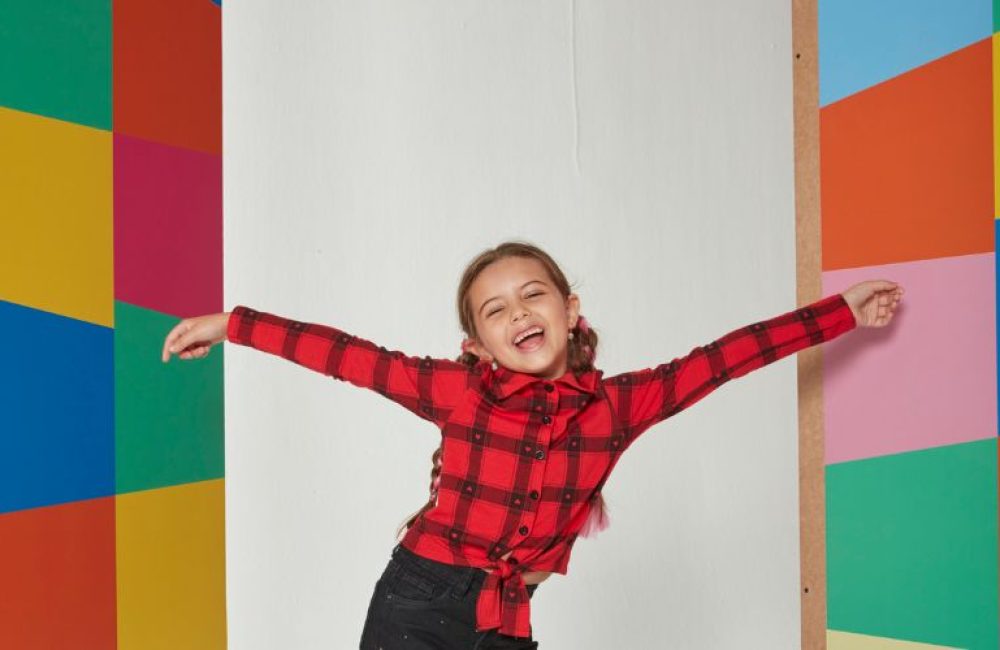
{"x":907,"y":174}
{"x":111,"y":462}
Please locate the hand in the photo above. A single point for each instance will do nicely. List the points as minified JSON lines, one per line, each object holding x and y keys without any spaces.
{"x":873,"y":301}
{"x":192,"y":338}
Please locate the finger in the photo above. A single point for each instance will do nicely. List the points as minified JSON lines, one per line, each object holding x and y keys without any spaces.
{"x":168,"y":339}
{"x":196,"y":352}
{"x":175,"y":334}
{"x":171,"y":339}
{"x":885,"y":285}
{"x":182,"y":340}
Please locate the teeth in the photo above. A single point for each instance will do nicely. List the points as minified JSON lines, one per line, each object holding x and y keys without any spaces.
{"x":520,"y":337}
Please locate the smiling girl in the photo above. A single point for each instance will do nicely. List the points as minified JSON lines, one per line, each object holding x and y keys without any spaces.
{"x":530,"y":431}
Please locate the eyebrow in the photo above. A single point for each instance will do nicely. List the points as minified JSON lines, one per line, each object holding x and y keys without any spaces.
{"x":483,"y":306}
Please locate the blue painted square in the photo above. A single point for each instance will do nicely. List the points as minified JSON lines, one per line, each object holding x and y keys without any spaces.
{"x":57,"y":437}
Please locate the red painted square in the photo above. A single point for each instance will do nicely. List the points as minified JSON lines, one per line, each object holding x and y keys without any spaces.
{"x":57,"y":576}
{"x":167,"y":72}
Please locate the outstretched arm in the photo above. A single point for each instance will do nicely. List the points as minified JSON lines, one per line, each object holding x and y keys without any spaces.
{"x":645,"y":397}
{"x":428,"y":387}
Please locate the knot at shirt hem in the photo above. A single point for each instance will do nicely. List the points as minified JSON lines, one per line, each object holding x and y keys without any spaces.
{"x":503,"y":602}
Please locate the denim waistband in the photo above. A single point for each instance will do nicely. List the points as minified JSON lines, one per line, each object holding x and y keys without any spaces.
{"x":462,"y":577}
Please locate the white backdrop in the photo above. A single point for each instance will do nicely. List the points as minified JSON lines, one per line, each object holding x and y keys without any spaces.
{"x":371,"y":149}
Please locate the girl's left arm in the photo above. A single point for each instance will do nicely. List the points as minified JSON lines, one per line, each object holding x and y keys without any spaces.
{"x":644,"y":397}
{"x":428,"y":387}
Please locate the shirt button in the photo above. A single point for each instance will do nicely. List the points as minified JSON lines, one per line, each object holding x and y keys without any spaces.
{"x":539,"y":454}
{"x":546,"y":419}
{"x":523,"y":530}
{"x":534,"y":494}
{"x":549,"y":387}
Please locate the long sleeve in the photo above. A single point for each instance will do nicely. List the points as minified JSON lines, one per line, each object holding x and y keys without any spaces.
{"x":428,"y":387}
{"x":645,"y":397}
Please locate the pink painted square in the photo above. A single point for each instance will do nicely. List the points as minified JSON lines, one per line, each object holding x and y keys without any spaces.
{"x":926,"y":380}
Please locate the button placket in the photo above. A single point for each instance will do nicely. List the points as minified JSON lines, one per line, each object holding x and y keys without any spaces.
{"x":549,"y":405}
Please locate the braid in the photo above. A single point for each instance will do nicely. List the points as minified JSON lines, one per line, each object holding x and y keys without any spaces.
{"x":435,"y":483}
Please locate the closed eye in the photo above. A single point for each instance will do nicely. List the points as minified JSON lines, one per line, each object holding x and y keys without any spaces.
{"x":530,"y":295}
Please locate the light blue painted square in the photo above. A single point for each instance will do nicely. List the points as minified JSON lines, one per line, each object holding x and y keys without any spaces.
{"x":865,"y":42}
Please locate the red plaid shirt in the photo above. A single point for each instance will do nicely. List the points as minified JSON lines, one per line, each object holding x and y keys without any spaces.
{"x":523,"y":456}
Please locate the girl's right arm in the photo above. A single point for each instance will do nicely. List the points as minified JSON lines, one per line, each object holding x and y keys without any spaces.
{"x":428,"y":387}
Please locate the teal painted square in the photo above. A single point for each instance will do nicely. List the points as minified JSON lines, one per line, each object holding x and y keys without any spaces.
{"x":912,"y":545}
{"x":55,"y":59}
{"x":169,"y":420}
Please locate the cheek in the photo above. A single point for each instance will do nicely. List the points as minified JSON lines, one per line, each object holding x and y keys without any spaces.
{"x":495,"y":339}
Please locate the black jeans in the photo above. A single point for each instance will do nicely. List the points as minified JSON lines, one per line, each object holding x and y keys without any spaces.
{"x":421,"y":604}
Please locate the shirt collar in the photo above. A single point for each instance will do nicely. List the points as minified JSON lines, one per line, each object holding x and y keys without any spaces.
{"x":504,"y":382}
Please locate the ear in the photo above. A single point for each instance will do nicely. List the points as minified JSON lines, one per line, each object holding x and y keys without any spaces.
{"x":475,"y":348}
{"x":572,"y":309}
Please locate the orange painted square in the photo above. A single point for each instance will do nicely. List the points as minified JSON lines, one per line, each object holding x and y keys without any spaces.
{"x":167,"y":72}
{"x":57,"y":576}
{"x":907,"y":165}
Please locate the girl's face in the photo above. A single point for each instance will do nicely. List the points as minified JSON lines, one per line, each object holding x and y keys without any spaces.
{"x":515,"y":295}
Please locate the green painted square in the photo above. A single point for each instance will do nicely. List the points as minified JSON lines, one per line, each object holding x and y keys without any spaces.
{"x":912,"y":545}
{"x":55,"y":59}
{"x":169,"y":420}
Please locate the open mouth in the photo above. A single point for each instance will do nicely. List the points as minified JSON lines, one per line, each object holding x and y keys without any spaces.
{"x":534,"y":340}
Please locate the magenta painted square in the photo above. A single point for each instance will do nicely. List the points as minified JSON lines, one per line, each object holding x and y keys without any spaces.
{"x":168,"y":227}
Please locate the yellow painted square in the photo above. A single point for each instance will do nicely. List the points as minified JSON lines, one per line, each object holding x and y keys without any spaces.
{"x":837,"y":640}
{"x":171,"y":568}
{"x":996,"y":125}
{"x":56,"y":198}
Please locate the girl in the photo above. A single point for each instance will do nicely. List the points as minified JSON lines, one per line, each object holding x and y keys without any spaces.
{"x":530,"y":432}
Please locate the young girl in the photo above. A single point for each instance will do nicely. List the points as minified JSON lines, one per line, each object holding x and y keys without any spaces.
{"x":531,"y":430}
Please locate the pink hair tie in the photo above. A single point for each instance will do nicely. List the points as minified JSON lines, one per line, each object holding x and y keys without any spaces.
{"x":584,"y":327}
